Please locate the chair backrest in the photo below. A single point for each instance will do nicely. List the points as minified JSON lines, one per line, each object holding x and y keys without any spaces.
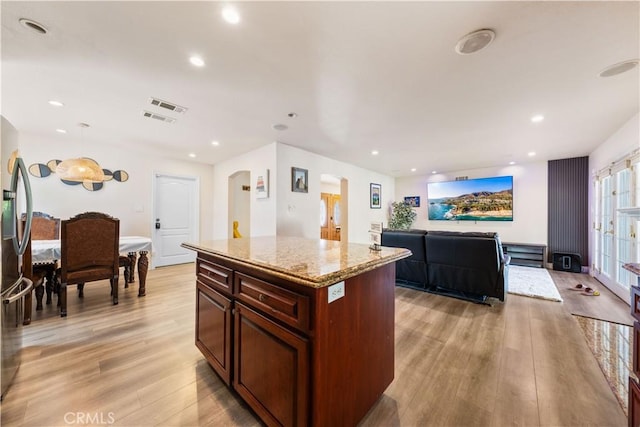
{"x":43,"y":226}
{"x":90,"y":241}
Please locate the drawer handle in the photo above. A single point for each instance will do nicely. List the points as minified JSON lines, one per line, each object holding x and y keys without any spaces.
{"x":262,"y":297}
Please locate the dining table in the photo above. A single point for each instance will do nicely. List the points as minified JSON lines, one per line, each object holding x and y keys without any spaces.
{"x":46,"y":251}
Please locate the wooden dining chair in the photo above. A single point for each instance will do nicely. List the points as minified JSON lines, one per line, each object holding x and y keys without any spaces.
{"x":89,"y":251}
{"x":43,"y":227}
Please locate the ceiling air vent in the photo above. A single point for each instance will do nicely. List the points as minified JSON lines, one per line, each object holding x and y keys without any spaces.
{"x":168,"y":105}
{"x":158,"y":117}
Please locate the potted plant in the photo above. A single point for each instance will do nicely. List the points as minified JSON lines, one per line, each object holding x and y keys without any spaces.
{"x":402,"y":216}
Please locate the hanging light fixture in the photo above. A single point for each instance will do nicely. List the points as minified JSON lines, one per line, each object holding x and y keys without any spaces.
{"x":82,"y":169}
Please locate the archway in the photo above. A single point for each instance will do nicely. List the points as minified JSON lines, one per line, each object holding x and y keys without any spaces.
{"x":333,"y":207}
{"x":239,"y":204}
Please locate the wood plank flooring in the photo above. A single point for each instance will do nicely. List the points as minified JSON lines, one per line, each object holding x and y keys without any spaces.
{"x":522,"y":363}
{"x":607,"y":306}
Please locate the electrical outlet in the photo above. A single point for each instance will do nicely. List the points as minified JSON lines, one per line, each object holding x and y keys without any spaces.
{"x":336,"y":291}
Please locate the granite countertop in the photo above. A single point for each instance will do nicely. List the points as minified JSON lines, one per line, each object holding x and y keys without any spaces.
{"x":311,"y":262}
{"x":633,"y":267}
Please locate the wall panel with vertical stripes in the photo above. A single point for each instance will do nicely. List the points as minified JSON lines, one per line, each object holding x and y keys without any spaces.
{"x":569,"y":207}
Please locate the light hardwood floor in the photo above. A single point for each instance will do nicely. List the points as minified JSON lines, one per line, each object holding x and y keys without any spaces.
{"x":524,"y":362}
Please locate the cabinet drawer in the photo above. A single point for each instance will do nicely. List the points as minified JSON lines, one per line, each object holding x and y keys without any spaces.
{"x":635,"y":302}
{"x":287,"y":306}
{"x":214,"y":275}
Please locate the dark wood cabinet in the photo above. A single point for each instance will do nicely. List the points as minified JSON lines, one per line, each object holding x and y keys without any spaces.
{"x":271,"y":369}
{"x":213,"y":329}
{"x":298,"y":355}
{"x":634,"y":403}
{"x":634,"y":387}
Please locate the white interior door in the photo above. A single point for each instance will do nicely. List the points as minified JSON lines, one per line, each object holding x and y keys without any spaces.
{"x":176,"y":208}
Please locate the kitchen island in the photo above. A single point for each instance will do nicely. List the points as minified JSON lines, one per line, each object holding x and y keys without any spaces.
{"x":302,"y":329}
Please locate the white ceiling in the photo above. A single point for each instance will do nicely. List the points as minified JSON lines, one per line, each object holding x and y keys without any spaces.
{"x":361,"y":76}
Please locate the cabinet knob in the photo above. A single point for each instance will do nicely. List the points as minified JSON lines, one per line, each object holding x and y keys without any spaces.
{"x":262,"y":297}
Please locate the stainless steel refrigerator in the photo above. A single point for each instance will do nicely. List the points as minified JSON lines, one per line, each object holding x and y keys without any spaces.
{"x":16,"y":196}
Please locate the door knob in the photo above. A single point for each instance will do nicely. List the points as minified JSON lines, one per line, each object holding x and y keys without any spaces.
{"x":157,"y":223}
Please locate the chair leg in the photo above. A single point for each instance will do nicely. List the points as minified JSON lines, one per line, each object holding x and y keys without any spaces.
{"x":39,"y":295}
{"x":114,"y":289}
{"x":80,"y":290}
{"x":126,"y":275}
{"x":49,"y":281}
{"x":62,"y":299}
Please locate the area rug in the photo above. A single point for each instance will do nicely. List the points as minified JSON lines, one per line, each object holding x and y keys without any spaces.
{"x":532,"y":282}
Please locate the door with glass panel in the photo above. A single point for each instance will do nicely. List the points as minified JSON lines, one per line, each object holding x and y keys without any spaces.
{"x":617,"y":213}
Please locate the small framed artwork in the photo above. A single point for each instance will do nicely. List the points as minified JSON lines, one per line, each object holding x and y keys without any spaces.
{"x":299,"y":180}
{"x":262,"y":184}
{"x":375,"y":191}
{"x":413,"y":201}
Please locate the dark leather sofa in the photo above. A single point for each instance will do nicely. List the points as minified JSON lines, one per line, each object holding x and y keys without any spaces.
{"x":469,"y":265}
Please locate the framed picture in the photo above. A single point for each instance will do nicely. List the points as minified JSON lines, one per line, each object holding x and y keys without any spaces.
{"x":413,"y":201}
{"x":299,"y":180}
{"x":375,"y":196}
{"x":262,"y":184}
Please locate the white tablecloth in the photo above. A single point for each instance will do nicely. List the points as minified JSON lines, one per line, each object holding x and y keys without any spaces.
{"x":49,"y":250}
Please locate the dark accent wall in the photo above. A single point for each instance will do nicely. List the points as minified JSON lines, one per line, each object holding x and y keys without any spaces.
{"x":568,"y":213}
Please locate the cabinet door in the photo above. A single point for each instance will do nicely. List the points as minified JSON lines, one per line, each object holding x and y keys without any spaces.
{"x":213,"y":329}
{"x":271,"y":369}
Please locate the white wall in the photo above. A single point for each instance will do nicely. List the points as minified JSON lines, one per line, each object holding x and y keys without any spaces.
{"x":130,"y":201}
{"x":529,"y":223}
{"x":262,"y":211}
{"x":298,"y":214}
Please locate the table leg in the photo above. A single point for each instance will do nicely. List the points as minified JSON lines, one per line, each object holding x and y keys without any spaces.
{"x":132,"y":257}
{"x":143,"y":266}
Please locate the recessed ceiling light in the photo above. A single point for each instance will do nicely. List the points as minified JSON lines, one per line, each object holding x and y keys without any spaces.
{"x":512,"y":163}
{"x":619,"y":68}
{"x":56,"y":103}
{"x":197,"y":61}
{"x":473,"y":42}
{"x":215,"y":143}
{"x":537,"y":118}
{"x":375,"y":152}
{"x":61,"y":130}
{"x":33,"y":25}
{"x":192,"y":155}
{"x":531,"y":153}
{"x":280,"y":126}
{"x":434,"y":172}
{"x":413,"y":169}
{"x":230,"y":15}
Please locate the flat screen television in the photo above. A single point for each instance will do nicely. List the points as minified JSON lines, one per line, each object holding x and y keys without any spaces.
{"x":482,"y":199}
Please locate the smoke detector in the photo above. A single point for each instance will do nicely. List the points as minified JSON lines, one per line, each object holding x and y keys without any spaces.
{"x":475,"y":41}
{"x":158,"y":117}
{"x":167,"y":105}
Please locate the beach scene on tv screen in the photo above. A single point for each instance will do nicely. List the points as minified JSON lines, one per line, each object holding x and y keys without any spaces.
{"x":483,"y":199}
